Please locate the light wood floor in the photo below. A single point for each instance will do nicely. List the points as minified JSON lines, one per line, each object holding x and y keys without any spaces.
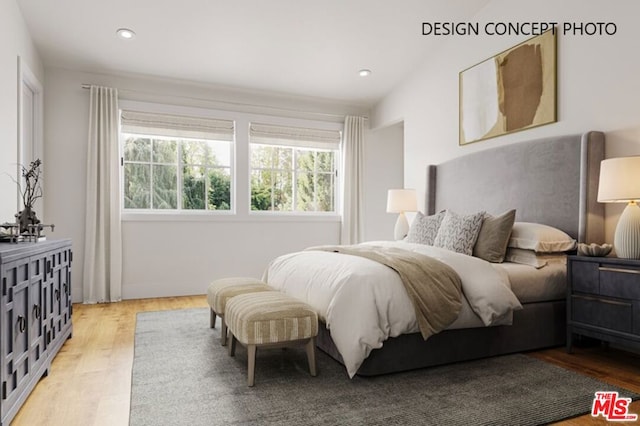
{"x":90,"y":380}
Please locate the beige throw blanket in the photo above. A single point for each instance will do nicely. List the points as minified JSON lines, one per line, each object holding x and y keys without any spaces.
{"x":433,"y":287}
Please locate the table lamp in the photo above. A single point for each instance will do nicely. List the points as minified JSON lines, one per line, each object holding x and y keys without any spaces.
{"x":400,"y":201}
{"x":620,"y":183}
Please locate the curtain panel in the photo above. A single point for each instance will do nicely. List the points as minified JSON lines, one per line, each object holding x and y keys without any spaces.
{"x":102,"y":277}
{"x":352,"y":180}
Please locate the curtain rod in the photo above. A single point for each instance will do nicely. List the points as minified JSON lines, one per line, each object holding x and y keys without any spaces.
{"x":324,"y":114}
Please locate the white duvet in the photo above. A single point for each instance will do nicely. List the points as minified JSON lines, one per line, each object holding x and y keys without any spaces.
{"x":364,"y":302}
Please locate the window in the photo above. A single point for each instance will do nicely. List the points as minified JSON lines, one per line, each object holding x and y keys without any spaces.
{"x":176,"y":163}
{"x":293,"y":169}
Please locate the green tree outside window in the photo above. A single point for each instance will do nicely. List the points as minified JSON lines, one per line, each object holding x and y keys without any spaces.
{"x":158,"y":172}
{"x":292,"y":179}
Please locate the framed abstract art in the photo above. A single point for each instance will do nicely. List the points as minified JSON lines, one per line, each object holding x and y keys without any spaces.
{"x":511,"y":91}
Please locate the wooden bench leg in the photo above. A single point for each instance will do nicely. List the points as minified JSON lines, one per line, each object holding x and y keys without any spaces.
{"x":223,"y":331}
{"x":212,"y":318}
{"x":311,"y":356}
{"x":232,"y":344}
{"x":251,"y":364}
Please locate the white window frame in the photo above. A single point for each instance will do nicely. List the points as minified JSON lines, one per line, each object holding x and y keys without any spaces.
{"x":179,"y":164}
{"x":240,"y":169}
{"x":294,"y":172}
{"x":178,"y":213}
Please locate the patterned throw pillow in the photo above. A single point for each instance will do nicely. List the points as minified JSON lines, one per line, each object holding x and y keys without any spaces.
{"x":425,"y":228}
{"x":459,"y":233}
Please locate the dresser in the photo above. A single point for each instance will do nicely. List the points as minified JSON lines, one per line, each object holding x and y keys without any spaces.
{"x":35,"y":316}
{"x":603,"y":300}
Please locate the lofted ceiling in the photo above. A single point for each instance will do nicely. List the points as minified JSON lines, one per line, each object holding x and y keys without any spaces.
{"x":297,"y":47}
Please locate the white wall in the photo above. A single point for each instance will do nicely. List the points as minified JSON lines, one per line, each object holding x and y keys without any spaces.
{"x":178,"y":257}
{"x":384,"y":170}
{"x":15,"y":42}
{"x":598,"y":85}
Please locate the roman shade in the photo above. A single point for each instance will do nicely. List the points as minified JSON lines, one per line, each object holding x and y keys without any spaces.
{"x":179,"y":126}
{"x":268,"y":134}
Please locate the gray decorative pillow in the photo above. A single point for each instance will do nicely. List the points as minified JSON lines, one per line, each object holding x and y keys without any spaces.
{"x":425,"y":228}
{"x":494,"y":236}
{"x":459,"y":233}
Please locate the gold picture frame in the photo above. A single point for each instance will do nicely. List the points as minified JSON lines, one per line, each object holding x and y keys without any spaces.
{"x":509,"y":92}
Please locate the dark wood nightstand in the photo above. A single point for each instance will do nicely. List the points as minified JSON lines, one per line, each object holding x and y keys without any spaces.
{"x":603,"y":300}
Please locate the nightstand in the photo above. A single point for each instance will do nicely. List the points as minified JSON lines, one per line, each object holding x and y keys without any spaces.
{"x":603,"y":300}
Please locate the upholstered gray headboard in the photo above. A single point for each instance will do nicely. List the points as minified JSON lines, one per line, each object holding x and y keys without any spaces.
{"x":553,"y":181}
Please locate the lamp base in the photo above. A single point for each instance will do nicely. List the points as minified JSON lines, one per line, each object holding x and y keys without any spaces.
{"x":402,"y":227}
{"x":627,"y":237}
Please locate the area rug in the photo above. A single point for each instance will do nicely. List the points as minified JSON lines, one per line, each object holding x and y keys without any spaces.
{"x":183,"y":376}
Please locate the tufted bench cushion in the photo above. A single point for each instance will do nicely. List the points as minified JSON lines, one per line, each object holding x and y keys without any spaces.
{"x":220,"y":291}
{"x":270,"y":319}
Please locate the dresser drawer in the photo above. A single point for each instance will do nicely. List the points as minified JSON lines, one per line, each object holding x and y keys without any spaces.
{"x":611,"y":314}
{"x":585,"y":277}
{"x":620,"y":282}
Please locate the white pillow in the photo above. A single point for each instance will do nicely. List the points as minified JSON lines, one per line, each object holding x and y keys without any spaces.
{"x":459,"y":233}
{"x":531,"y":258}
{"x":540,"y":238}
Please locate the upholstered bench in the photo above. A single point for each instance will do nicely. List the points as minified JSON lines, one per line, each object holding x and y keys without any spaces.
{"x":270,"y":319}
{"x":220,"y":291}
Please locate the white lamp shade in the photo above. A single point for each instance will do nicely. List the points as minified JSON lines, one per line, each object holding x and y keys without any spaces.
{"x":619,"y":180}
{"x":401,"y":200}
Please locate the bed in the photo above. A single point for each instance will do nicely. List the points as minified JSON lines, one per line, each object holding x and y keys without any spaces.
{"x":550,"y":181}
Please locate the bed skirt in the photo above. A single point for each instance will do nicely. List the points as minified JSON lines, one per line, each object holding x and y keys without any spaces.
{"x":537,"y":326}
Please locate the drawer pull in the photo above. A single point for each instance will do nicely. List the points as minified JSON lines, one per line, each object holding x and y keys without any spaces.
{"x":22,"y":324}
{"x":36,"y":311}
{"x":596,"y":299}
{"x":624,"y":271}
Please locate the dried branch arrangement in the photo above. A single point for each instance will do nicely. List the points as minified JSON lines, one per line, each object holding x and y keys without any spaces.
{"x":32,"y":189}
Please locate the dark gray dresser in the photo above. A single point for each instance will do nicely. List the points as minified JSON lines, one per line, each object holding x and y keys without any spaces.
{"x":35,"y":315}
{"x":603,"y":300}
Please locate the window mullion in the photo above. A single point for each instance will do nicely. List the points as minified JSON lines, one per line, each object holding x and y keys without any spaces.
{"x":151,"y":168}
{"x":204,"y":167}
{"x":180,"y":171}
{"x":316,"y":175}
{"x":335,"y":180}
{"x":294,"y":179}
{"x":207,"y":184}
{"x":273,"y":182}
{"x":274,"y":179}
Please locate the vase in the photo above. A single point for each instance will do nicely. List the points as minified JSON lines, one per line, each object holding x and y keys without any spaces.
{"x":26,"y":218}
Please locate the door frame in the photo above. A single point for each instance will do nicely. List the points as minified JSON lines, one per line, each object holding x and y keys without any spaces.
{"x":26,"y":78}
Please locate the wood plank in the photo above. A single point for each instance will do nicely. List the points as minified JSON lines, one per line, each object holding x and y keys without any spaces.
{"x":90,"y":380}
{"x":619,"y":368}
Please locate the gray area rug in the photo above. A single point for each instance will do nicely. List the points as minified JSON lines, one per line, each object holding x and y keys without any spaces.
{"x":182,"y":376}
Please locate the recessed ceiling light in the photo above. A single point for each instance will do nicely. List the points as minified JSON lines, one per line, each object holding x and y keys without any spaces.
{"x":126,"y":33}
{"x":364,"y":72}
